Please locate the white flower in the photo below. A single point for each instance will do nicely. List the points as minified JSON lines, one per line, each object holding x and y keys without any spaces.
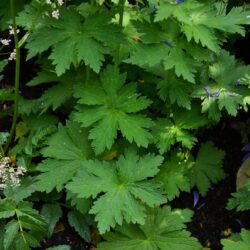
{"x":55,"y":14}
{"x":5,"y":41}
{"x":12,"y":55}
{"x":60,"y":2}
{"x":48,"y":2}
{"x":11,"y":30}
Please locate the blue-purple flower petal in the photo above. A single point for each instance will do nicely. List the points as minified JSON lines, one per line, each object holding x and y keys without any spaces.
{"x":245,"y":157}
{"x":246,"y":148}
{"x":196,"y":198}
{"x":215,"y":94}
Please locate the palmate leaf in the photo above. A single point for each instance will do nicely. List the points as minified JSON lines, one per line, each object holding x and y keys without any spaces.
{"x":148,"y":55}
{"x":207,"y":168}
{"x":52,"y":213}
{"x":240,"y":200}
{"x":67,"y":151}
{"x":230,"y":96}
{"x":112,"y":106}
{"x":241,"y":242}
{"x":83,"y":41}
{"x":163,"y":229}
{"x":122,"y":186}
{"x":173,"y":175}
{"x":167,"y":132}
{"x":175,"y":89}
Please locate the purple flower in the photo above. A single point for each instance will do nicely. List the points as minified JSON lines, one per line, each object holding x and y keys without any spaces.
{"x":214,"y":94}
{"x":169,"y":43}
{"x":196,"y":198}
{"x":179,"y":1}
{"x":246,"y":148}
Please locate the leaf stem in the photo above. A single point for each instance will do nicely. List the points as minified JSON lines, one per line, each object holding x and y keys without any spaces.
{"x":121,"y":6}
{"x":17,"y":77}
{"x":20,"y":226}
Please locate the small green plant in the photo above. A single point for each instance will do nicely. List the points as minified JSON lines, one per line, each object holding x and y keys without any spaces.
{"x":122,"y":90}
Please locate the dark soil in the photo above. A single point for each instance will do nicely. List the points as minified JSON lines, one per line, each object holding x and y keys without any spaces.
{"x":67,"y":236}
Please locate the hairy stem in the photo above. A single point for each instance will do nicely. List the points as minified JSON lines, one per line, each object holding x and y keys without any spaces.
{"x":17,"y":78}
{"x":121,"y":13}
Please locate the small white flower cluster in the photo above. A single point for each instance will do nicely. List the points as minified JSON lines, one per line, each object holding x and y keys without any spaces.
{"x":12,"y":55}
{"x":6,"y":42}
{"x":11,"y":30}
{"x":9,"y":175}
{"x":55,"y":13}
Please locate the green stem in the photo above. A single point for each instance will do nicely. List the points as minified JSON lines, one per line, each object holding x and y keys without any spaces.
{"x":20,"y":226}
{"x":1,"y":152}
{"x":121,"y":13}
{"x":17,"y":78}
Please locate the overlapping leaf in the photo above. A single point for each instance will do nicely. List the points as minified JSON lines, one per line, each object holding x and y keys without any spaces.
{"x":112,"y":106}
{"x":81,"y":41}
{"x":207,"y":168}
{"x":167,"y":131}
{"x":67,"y":151}
{"x":163,"y":229}
{"x":173,"y":175}
{"x":122,"y":186}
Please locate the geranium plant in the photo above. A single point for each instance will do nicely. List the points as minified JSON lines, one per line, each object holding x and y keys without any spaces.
{"x":120,"y":91}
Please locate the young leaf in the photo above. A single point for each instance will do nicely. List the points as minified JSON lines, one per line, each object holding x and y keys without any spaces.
{"x":243,"y":243}
{"x":168,"y":132}
{"x":207,"y":168}
{"x":122,"y":185}
{"x":52,"y":213}
{"x":163,"y":229}
{"x":66,"y":155}
{"x":110,"y":107}
{"x":173,"y":175}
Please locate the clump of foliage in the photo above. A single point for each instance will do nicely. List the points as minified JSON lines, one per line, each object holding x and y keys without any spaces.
{"x":122,"y":89}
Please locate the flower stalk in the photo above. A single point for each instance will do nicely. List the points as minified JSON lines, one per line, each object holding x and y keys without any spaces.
{"x":17,"y":77}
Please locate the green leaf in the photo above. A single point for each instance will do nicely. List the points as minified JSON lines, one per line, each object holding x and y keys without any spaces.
{"x":207,"y":168}
{"x":84,"y":41}
{"x":7,"y":208}
{"x":52,"y":213}
{"x":11,"y":230}
{"x":168,"y":132}
{"x":240,"y":244}
{"x":163,"y":229}
{"x":60,"y":247}
{"x":80,"y":223}
{"x":122,"y":186}
{"x":240,"y":200}
{"x":21,"y":192}
{"x":81,"y":204}
{"x":175,"y":89}
{"x":111,"y":106}
{"x":173,"y":175}
{"x":66,"y":155}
